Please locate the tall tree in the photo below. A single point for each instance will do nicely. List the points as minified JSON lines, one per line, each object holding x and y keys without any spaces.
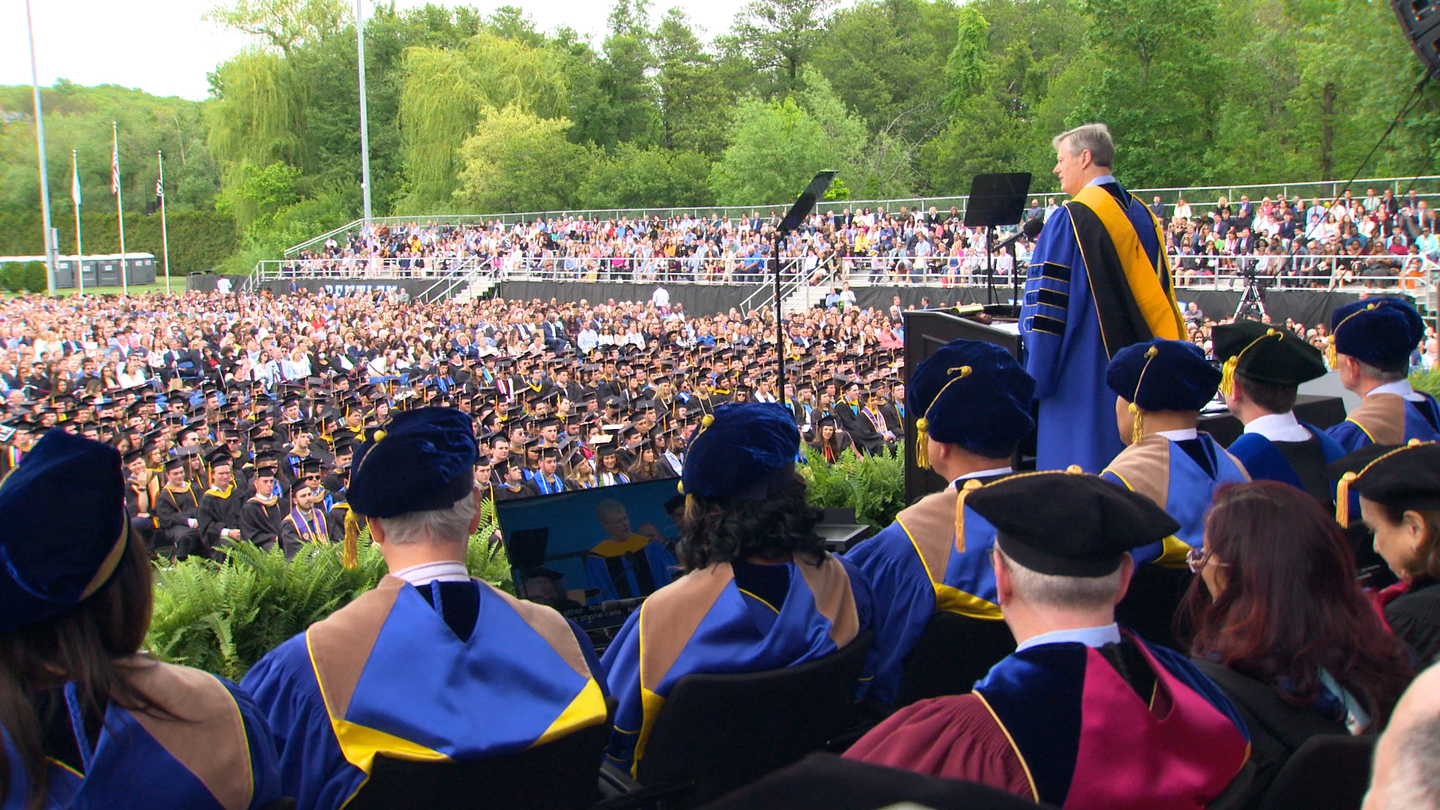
{"x":690,"y":88}
{"x":517,"y":161}
{"x":283,"y":24}
{"x":778,"y":36}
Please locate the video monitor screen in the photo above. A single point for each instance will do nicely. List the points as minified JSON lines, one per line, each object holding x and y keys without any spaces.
{"x":592,"y":554}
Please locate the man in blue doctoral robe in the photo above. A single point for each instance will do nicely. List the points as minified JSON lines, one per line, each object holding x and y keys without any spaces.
{"x":404,"y":670}
{"x":1098,"y":281}
{"x":974,"y":405}
{"x":625,"y":565}
{"x":1262,"y":369}
{"x":1084,"y":714}
{"x":1160,"y":388}
{"x":1371,"y":342}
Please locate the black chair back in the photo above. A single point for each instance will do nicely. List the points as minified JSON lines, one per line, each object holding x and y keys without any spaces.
{"x":562,"y":774}
{"x":1329,"y":772}
{"x":952,"y":654}
{"x":725,"y":731}
{"x":1149,"y":606}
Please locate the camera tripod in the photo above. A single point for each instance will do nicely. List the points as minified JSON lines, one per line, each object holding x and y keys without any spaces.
{"x":1252,"y":300}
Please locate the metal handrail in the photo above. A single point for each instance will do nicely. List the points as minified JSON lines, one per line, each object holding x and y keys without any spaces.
{"x":923,"y":203}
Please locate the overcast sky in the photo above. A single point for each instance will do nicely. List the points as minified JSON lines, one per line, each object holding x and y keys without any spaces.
{"x":163,"y":47}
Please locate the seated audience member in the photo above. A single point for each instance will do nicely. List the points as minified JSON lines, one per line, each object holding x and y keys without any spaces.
{"x":1262,"y":371}
{"x":830,"y":441}
{"x":1372,"y":341}
{"x":1084,"y":713}
{"x":1399,"y":489}
{"x":974,"y":404}
{"x":399,"y":671}
{"x":1160,"y":388}
{"x":1407,"y":755}
{"x":760,"y":592}
{"x":87,"y":720}
{"x":1282,"y":626}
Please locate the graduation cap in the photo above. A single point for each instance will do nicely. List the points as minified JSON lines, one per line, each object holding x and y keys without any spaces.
{"x":65,"y":530}
{"x":1163,"y":375}
{"x":219,"y":458}
{"x":1068,"y":524}
{"x":1402,"y":478}
{"x":1264,"y":354}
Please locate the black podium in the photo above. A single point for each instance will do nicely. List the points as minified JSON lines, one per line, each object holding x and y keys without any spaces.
{"x":926,"y":330}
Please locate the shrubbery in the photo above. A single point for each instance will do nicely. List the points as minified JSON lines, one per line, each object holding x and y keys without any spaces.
{"x":874,"y":486}
{"x":222,"y":617}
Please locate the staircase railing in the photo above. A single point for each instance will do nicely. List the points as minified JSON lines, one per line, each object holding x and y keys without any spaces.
{"x":764,"y":295}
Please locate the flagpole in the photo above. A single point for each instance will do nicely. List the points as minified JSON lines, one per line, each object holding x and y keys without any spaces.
{"x":40,"y":149}
{"x":75,"y":196}
{"x":164,"y":232}
{"x":119,"y":202}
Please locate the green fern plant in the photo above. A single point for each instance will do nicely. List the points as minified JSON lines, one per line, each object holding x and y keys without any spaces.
{"x":872,"y":485}
{"x":223,"y":617}
{"x":1427,"y":381}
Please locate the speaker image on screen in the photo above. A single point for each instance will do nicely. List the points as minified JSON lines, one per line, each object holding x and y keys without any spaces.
{"x":1420,"y":20}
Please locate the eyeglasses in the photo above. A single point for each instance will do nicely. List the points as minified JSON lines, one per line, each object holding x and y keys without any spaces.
{"x":1196,"y":558}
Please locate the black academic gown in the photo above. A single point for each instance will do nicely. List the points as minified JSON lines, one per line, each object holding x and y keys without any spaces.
{"x":260,"y":521}
{"x":173,"y":510}
{"x":867,"y":439}
{"x":218,"y":510}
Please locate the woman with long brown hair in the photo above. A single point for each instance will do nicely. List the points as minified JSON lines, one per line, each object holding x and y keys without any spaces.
{"x":86,"y":719}
{"x":1281,"y":624}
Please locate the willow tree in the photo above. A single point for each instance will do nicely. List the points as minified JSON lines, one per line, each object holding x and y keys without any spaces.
{"x":258,"y":118}
{"x":445,"y":93}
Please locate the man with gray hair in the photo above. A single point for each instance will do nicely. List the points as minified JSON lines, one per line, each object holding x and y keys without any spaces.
{"x":1083,"y":712}
{"x":1406,"y":773}
{"x":1098,"y":281}
{"x":405,"y":670}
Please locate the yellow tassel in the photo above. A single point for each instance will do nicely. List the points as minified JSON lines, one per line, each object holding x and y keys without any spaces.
{"x":707,"y":420}
{"x":350,"y":558}
{"x":1227,"y":376}
{"x":970,"y":486}
{"x":1138,"y":431}
{"x":1074,"y":469}
{"x":922,"y":443}
{"x":1342,"y":499}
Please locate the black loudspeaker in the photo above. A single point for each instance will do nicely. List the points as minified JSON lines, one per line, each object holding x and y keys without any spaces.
{"x":1420,"y":20}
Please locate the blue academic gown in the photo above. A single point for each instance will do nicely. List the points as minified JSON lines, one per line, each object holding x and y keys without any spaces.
{"x":1388,"y":419}
{"x":772,"y":616}
{"x":387,"y":674}
{"x":1264,"y":461}
{"x":1160,"y":469}
{"x":915,"y":568}
{"x":634,"y":568}
{"x":1064,"y":349}
{"x":141,"y":761}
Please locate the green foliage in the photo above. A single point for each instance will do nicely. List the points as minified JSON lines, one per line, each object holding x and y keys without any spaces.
{"x":874,"y":486}
{"x":199,"y":240}
{"x":635,"y":177}
{"x":518,"y":161}
{"x":32,"y":278}
{"x":1427,"y":381}
{"x":223,"y":617}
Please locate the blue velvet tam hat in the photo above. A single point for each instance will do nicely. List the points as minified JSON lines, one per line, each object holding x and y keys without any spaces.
{"x":64,"y":531}
{"x":1381,"y":332}
{"x":422,"y":459}
{"x":971,"y":394}
{"x":737,"y":452}
{"x":1163,"y":375}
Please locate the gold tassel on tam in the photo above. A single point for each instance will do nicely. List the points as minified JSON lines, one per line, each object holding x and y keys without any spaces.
{"x":1342,"y":499}
{"x":1227,"y":375}
{"x":1138,"y":431}
{"x":350,"y":558}
{"x":970,"y":486}
{"x":922,"y":443}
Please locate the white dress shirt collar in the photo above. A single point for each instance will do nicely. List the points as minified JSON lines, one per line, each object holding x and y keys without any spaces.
{"x":1182,"y":435}
{"x":1279,"y":427}
{"x":1399,"y":387}
{"x":1103,"y":179}
{"x":1006,"y":470}
{"x":1089,"y":636}
{"x":444,"y":571}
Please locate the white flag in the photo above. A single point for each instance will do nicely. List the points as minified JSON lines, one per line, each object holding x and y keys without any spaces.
{"x":75,"y":183}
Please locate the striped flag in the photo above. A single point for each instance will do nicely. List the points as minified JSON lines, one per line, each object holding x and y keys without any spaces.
{"x":160,"y":187}
{"x":115,"y":168}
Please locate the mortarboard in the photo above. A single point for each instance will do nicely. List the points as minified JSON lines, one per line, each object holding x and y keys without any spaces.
{"x":1069,"y":524}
